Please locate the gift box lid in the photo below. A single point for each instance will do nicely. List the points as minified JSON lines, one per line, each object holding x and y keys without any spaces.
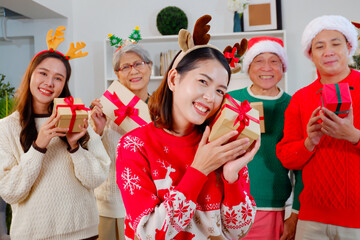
{"x":66,"y":111}
{"x":125,"y":96}
{"x":226,"y":118}
{"x":336,"y":93}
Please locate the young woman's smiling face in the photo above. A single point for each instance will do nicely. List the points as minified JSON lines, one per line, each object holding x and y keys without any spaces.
{"x":197,"y":94}
{"x":47,"y":82}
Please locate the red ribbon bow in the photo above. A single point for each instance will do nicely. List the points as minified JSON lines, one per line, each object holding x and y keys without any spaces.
{"x":123,"y":110}
{"x":232,"y":57}
{"x":73,"y":107}
{"x":242,"y":110}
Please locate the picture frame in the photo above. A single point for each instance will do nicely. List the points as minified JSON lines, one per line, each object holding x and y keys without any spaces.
{"x":262,"y":15}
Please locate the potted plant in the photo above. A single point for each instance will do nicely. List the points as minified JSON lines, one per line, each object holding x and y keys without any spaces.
{"x":6,"y":97}
{"x":6,"y":106}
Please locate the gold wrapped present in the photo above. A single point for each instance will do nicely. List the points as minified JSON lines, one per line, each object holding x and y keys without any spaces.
{"x":72,"y":113}
{"x":260,"y":107}
{"x":124,"y":107}
{"x":234,"y":115}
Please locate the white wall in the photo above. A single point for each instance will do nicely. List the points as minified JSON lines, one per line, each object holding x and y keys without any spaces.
{"x":91,"y":20}
{"x":296,"y":15}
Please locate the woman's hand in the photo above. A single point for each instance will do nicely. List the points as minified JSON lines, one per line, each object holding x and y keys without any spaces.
{"x":232,"y":168}
{"x":313,"y":130}
{"x":210,"y":156}
{"x":98,"y":117}
{"x":48,"y":131}
{"x":340,"y":128}
{"x":73,"y":138}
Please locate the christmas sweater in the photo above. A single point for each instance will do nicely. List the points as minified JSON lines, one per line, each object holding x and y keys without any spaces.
{"x":51,"y":194}
{"x":108,"y":196}
{"x":331,"y":172}
{"x":270,"y":184}
{"x":165,"y":198}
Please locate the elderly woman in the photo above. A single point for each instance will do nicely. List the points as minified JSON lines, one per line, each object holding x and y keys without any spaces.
{"x":132,"y":66}
{"x":270,"y":185}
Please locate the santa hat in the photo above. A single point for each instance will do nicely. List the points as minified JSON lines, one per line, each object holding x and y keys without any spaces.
{"x":329,"y":22}
{"x":258,"y":45}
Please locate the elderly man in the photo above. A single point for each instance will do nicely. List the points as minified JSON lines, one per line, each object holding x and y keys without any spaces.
{"x":270,"y":185}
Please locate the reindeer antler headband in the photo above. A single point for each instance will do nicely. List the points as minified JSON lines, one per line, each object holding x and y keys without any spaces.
{"x":53,"y":41}
{"x":233,"y":54}
{"x":199,"y":39}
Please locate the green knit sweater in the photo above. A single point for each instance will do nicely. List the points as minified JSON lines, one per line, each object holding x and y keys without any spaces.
{"x":270,"y":184}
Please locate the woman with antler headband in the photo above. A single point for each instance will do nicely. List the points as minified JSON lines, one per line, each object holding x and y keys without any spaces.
{"x":46,"y":173}
{"x":265,"y":62}
{"x":132,"y":66}
{"x":176,"y":185}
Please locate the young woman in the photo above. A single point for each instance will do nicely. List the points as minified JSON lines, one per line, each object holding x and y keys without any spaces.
{"x":132,"y":66}
{"x":176,"y":185}
{"x":46,"y":174}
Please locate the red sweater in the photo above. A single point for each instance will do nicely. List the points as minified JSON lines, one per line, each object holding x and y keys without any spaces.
{"x":331,"y":173}
{"x":166,"y":199}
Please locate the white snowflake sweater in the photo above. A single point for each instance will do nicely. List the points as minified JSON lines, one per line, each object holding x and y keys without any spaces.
{"x":51,"y":194}
{"x":166,"y":199}
{"x":108,"y":196}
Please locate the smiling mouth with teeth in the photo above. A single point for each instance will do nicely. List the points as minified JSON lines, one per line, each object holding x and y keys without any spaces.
{"x":266,"y":77}
{"x":45,"y":91}
{"x":201,"y":108}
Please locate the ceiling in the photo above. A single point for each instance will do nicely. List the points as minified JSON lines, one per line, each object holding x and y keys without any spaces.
{"x":30,"y":9}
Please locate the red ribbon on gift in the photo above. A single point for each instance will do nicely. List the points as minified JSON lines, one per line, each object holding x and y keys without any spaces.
{"x":242,"y":110}
{"x":123,"y":110}
{"x":73,"y":107}
{"x":232,"y":57}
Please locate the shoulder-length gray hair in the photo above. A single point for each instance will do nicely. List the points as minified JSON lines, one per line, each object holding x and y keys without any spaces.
{"x":135,"y":48}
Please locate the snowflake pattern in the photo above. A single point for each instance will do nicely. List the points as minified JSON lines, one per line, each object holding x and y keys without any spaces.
{"x":208,"y":198}
{"x":230,"y":217}
{"x":245,"y":175}
{"x":166,"y":149}
{"x":131,"y":181}
{"x":182,"y":210}
{"x":153,"y":197}
{"x":132,"y":143}
{"x":155,"y":173}
{"x":246,"y":212}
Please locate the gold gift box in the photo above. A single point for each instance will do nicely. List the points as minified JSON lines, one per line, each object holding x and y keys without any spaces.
{"x":125,"y":96}
{"x":225,"y":119}
{"x":260,"y":107}
{"x":66,"y":114}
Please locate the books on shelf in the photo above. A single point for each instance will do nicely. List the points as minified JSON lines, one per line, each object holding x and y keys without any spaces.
{"x":166,"y":59}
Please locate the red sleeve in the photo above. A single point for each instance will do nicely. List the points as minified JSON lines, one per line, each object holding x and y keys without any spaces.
{"x":235,"y":193}
{"x":291,"y":149}
{"x":192,"y":183}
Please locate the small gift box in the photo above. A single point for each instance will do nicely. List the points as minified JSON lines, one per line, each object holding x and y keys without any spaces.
{"x":337,"y":98}
{"x":72,"y":113}
{"x":260,"y":107}
{"x":124,"y":107}
{"x":234,"y":115}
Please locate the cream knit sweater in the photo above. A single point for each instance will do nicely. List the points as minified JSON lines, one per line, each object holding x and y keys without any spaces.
{"x":108,"y":196}
{"x":51,"y":194}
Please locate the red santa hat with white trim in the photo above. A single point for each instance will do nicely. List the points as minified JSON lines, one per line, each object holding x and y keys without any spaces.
{"x":329,"y":22}
{"x":258,"y":45}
